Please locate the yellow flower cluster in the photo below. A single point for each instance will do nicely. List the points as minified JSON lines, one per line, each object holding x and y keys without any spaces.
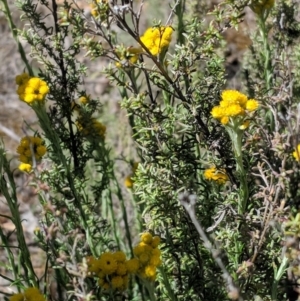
{"x":85,"y":99}
{"x":157,"y":39}
{"x":214,"y":174}
{"x":234,"y":106}
{"x":113,"y":269}
{"x":30,"y":294}
{"x":31,"y":89}
{"x":128,"y":56}
{"x":148,"y":256}
{"x":30,"y":147}
{"x":296,"y":153}
{"x":128,"y":182}
{"x":93,"y":128}
{"x":100,"y":9}
{"x":259,"y":6}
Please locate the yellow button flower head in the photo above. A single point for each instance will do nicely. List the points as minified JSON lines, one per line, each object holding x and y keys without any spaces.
{"x":150,"y":271}
{"x":35,"y":90}
{"x":84,"y":99}
{"x":146,"y":238}
{"x":128,"y":56}
{"x":94,"y":265}
{"x":22,"y":79}
{"x":119,"y":256}
{"x":99,"y":10}
{"x":129,"y":182}
{"x":92,"y":128}
{"x":31,"y":89}
{"x":98,"y":128}
{"x":296,"y":153}
{"x":259,"y":6}
{"x":219,"y":176}
{"x":155,"y":241}
{"x":121,"y":269}
{"x":252,"y":105}
{"x":30,"y":294}
{"x":108,"y":263}
{"x":132,"y":265}
{"x":233,"y":97}
{"x":28,"y":145}
{"x":147,"y":257}
{"x":25,"y":167}
{"x":117,"y":282}
{"x":157,"y":39}
{"x":234,"y":108}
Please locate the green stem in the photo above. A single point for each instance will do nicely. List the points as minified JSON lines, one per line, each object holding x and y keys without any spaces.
{"x":11,"y":197}
{"x":236,"y":137}
{"x":268,"y":72}
{"x":50,"y":134}
{"x":266,"y":55}
{"x":113,"y":219}
{"x":124,"y":212}
{"x":278,"y":276}
{"x":10,"y":257}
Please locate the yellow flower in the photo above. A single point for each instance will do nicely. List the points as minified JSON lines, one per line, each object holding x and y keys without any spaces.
{"x":232,"y":105}
{"x":17,"y":297}
{"x":252,"y":105}
{"x":32,"y":89}
{"x":41,"y":150}
{"x":216,"y":175}
{"x":117,"y":282}
{"x":245,"y":125}
{"x":98,"y":128}
{"x":119,"y":256}
{"x":146,"y":238}
{"x":132,"y":265}
{"x":224,"y":120}
{"x":155,"y":241}
{"x":30,"y":294}
{"x":33,"y":294}
{"x":233,"y":97}
{"x":150,"y":271}
{"x":128,"y":56}
{"x":25,"y":167}
{"x":25,"y":142}
{"x":22,"y":79}
{"x":94,"y":265}
{"x":125,"y":279}
{"x":25,"y":148}
{"x":128,"y":182}
{"x":144,"y":258}
{"x":103,"y":8}
{"x":92,"y":128}
{"x":296,"y":153}
{"x":217,"y":112}
{"x":157,"y":39}
{"x":108,"y":263}
{"x":259,"y":6}
{"x":156,"y":252}
{"x":121,"y":269}
{"x":103,"y":283}
{"x":155,"y":260}
{"x":84,"y":99}
{"x":234,"y":110}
